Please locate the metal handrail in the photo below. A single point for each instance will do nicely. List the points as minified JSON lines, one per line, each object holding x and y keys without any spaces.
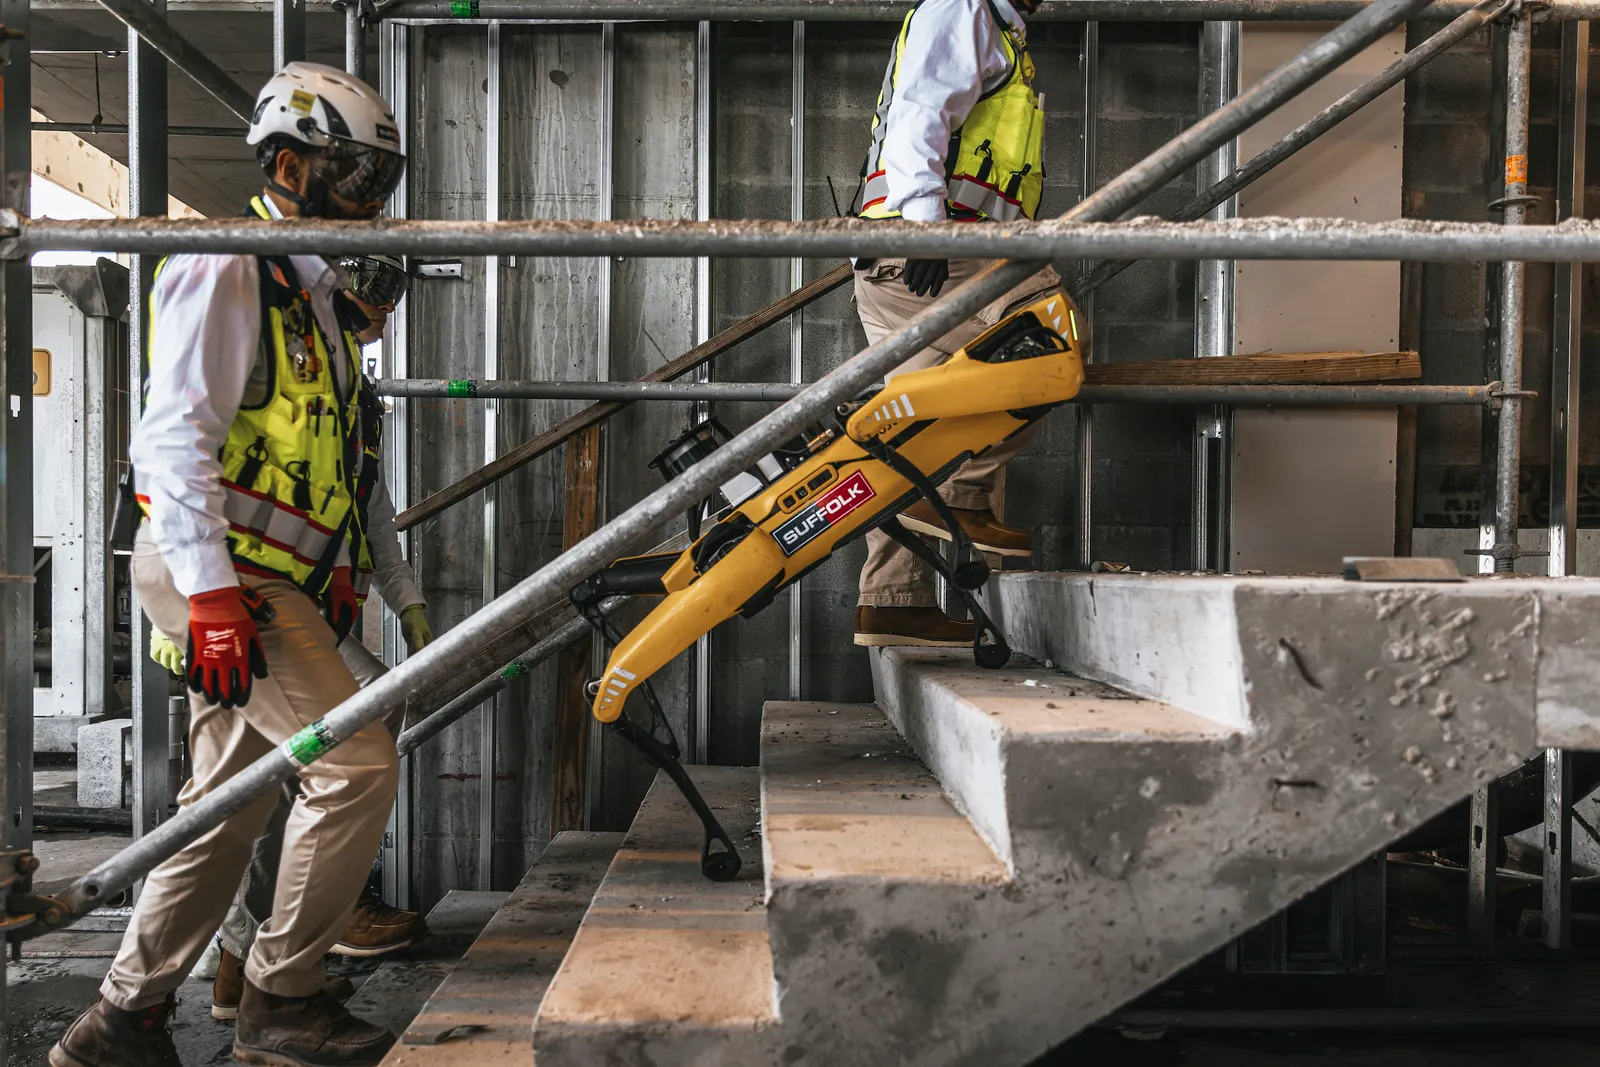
{"x":519,"y":605}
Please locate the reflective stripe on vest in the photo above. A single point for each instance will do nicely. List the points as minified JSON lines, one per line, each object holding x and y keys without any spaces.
{"x":289,"y":464}
{"x":995,"y":166}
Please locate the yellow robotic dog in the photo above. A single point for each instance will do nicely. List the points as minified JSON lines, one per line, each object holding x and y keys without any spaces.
{"x":806,"y":499}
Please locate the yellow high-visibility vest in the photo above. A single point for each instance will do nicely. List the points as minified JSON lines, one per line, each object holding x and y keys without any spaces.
{"x":995,"y":166}
{"x":297,"y":466}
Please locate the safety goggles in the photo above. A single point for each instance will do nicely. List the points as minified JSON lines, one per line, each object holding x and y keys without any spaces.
{"x":359,"y":174}
{"x":375,"y":282}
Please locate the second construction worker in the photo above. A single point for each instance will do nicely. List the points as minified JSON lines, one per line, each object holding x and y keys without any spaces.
{"x":375,"y":928}
{"x":958,"y":135}
{"x":251,"y":462}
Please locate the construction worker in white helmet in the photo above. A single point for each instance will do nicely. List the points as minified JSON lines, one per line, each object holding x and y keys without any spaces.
{"x":254,"y":467}
{"x":958,"y":135}
{"x":377,"y":284}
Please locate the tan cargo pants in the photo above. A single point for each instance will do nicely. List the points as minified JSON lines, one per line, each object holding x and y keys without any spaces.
{"x":892,"y":576}
{"x":252,"y":902}
{"x":331,"y":833}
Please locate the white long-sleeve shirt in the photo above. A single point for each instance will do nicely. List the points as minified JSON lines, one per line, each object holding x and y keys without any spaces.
{"x":208,"y":353}
{"x":953,"y":55}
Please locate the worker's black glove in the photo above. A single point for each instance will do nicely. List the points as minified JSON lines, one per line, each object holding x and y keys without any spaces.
{"x":926,"y":277}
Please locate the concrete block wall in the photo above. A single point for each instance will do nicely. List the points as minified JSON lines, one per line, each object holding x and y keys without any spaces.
{"x":1149,"y":78}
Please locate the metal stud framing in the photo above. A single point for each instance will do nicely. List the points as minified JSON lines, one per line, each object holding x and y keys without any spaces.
{"x":1213,"y":328}
{"x":16,"y":460}
{"x":701,"y":728}
{"x":288,"y":32}
{"x":1083,"y":474}
{"x":797,"y":322}
{"x":147,"y":195}
{"x":394,"y":81}
{"x":594,"y":765}
{"x":488,"y":714}
{"x":1566,"y":326}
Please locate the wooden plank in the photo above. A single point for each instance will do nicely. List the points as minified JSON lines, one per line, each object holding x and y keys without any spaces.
{"x":1288,"y":368}
{"x":570,"y":748}
{"x":595,"y":414}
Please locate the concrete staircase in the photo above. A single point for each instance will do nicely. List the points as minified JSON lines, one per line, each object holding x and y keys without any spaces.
{"x":985,"y":862}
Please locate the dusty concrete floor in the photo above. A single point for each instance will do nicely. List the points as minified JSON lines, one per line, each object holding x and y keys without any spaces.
{"x":45,"y":993}
{"x":1313,"y":1049}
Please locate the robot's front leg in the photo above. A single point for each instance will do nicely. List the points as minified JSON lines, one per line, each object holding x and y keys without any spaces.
{"x":721,"y":865}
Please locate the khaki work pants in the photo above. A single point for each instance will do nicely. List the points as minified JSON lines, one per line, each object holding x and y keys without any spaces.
{"x":252,"y":902}
{"x":892,"y":576}
{"x":330,"y":835}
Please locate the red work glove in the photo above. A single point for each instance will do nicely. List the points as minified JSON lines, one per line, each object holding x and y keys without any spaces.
{"x":224,"y":645}
{"x":339,"y":604}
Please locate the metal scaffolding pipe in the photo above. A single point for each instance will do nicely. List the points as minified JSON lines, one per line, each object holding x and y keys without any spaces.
{"x":894,"y":10}
{"x":1513,"y":275}
{"x":142,"y":19}
{"x":421,"y":731}
{"x":159,"y":34}
{"x":501,"y":388}
{"x":1244,"y":395}
{"x":1263,"y":163}
{"x":629,"y":530}
{"x":120,"y":129}
{"x":1576,"y":240}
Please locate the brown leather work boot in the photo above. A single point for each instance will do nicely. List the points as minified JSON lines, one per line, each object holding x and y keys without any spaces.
{"x":228,"y":988}
{"x":376,"y":928}
{"x":982,"y":529}
{"x":314,"y":1031}
{"x":927,"y":627}
{"x":108,"y":1036}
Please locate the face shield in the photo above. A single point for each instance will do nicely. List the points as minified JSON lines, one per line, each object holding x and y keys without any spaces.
{"x":374,"y":281}
{"x":355,"y":178}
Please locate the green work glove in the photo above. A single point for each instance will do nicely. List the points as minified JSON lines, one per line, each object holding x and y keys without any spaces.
{"x":414,"y":626}
{"x":164,"y":652}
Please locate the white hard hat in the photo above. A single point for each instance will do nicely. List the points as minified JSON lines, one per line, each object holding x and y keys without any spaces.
{"x":324,"y":111}
{"x":313,"y":104}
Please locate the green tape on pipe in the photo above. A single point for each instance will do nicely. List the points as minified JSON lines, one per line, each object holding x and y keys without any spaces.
{"x":307,"y":744}
{"x":456,"y":388}
{"x":464,"y":9}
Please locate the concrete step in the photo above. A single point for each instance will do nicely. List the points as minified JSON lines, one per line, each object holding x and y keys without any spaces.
{"x":1231,"y":647}
{"x":394,"y":993}
{"x":668,"y":968}
{"x":482,"y":1013}
{"x":997,"y":741}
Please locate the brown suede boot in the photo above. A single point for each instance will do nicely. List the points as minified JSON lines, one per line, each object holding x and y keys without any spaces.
{"x":981,"y":527}
{"x":314,"y":1031}
{"x":927,"y":627}
{"x":228,"y":988}
{"x":108,"y":1036}
{"x":376,"y":928}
